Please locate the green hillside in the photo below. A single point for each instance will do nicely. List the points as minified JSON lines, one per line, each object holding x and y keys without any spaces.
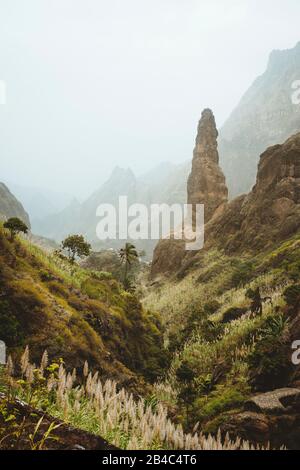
{"x":76,"y":314}
{"x":222,"y":353}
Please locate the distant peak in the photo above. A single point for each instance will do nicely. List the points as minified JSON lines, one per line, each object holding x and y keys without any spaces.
{"x":118,"y":171}
{"x":207,"y":112}
{"x":74,"y":202}
{"x":121,"y":175}
{"x":279,"y":56}
{"x":207,"y":130}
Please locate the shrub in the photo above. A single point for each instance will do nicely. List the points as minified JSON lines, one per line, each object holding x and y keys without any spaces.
{"x":58,"y":288}
{"x":269,"y":362}
{"x":46,"y":276}
{"x":274,"y":327}
{"x":269,"y":365}
{"x":102,"y":275}
{"x":243,"y":273}
{"x":233,"y":313}
{"x":225,"y":397}
{"x":94,"y":288}
{"x":292,"y":295}
{"x":211,"y":307}
{"x":10,"y":329}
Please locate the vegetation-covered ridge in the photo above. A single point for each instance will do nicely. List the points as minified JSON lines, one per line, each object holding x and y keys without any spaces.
{"x":90,"y":404}
{"x":225,"y":346}
{"x":75,"y":313}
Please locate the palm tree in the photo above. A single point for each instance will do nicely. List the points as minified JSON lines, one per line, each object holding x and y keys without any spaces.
{"x":128,"y":255}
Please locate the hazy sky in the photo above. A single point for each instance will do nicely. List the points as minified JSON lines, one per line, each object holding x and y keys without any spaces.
{"x":92,"y":84}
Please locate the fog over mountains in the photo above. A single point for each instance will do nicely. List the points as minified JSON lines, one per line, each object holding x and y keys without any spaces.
{"x":164,"y":184}
{"x":266,"y":115}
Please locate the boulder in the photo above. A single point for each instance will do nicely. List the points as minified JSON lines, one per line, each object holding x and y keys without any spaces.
{"x":275,"y":401}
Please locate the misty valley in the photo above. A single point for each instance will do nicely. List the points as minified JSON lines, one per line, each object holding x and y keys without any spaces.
{"x":158,"y":310}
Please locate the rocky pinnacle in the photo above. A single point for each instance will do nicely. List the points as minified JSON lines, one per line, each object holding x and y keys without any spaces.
{"x":206,"y":183}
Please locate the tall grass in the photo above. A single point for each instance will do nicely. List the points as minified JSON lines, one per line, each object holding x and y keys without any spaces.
{"x":104,"y":409}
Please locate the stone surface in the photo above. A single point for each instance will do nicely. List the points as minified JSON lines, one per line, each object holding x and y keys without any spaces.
{"x":275,"y":401}
{"x":270,"y":212}
{"x":255,"y":427}
{"x":10,"y":206}
{"x":206,"y":183}
{"x":64,"y":437}
{"x":167,"y":257}
{"x":272,"y":417}
{"x":266,"y":115}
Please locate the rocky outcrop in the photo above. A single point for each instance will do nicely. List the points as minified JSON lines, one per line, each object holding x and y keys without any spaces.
{"x":270,"y":212}
{"x":206,"y":184}
{"x":10,"y":206}
{"x":275,"y":401}
{"x":272,"y":417}
{"x":63,"y":436}
{"x":167,"y":257}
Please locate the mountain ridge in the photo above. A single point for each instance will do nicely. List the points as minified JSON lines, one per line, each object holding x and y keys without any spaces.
{"x":11,"y":207}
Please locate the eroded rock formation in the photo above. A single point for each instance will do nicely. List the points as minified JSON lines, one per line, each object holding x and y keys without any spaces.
{"x":206,"y":184}
{"x":270,"y":212}
{"x":266,"y":115}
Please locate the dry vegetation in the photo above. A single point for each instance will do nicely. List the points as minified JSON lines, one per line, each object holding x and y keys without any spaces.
{"x":103,"y":408}
{"x":205,"y":365}
{"x":225,"y":360}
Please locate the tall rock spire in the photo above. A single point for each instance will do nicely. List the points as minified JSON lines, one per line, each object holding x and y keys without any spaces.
{"x":206,"y":183}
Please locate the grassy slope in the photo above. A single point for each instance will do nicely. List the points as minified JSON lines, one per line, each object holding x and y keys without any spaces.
{"x":229,"y":361}
{"x":78,"y":317}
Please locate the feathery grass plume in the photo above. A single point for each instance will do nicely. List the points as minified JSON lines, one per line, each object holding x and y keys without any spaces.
{"x":29,"y":373}
{"x":69,"y":382}
{"x":66,"y":408}
{"x":125,"y":422}
{"x":61,"y":372}
{"x":76,"y":406}
{"x":85,"y":369}
{"x":24,"y":360}
{"x":10,"y":366}
{"x":88,"y":385}
{"x":51,"y":382}
{"x":44,"y":361}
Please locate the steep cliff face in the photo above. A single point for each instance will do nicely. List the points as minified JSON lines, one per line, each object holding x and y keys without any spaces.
{"x":206,"y":184}
{"x":266,"y":115}
{"x":271,"y":211}
{"x":10,"y":206}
